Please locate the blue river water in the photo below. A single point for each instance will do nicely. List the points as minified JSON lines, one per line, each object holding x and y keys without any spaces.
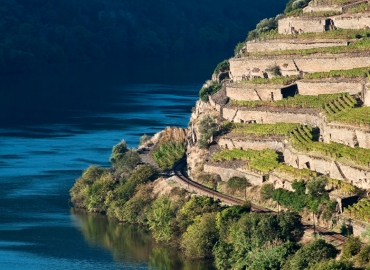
{"x":55,"y":122}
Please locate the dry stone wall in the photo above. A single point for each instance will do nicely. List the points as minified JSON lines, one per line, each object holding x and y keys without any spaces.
{"x":352,"y":21}
{"x":226,"y":173}
{"x":292,"y":65}
{"x":295,"y":25}
{"x":253,"y":92}
{"x":292,"y":44}
{"x":256,"y":144}
{"x":330,"y":86}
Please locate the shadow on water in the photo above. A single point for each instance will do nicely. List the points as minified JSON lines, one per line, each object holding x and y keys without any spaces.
{"x":131,"y":243}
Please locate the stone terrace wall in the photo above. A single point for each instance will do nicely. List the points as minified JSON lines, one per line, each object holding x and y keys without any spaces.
{"x":346,"y":134}
{"x":245,"y":143}
{"x":330,"y":86}
{"x":226,"y":173}
{"x":359,"y":177}
{"x":292,"y":44}
{"x":291,"y":65}
{"x":292,"y":25}
{"x":352,"y":21}
{"x":330,"y":132}
{"x":239,"y":115}
{"x":253,"y":92}
{"x":311,"y":8}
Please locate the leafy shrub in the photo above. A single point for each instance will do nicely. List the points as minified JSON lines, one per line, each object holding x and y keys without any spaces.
{"x":274,"y":70}
{"x":159,"y":217}
{"x":207,"y":128}
{"x":143,"y":139}
{"x":222,"y":67}
{"x":267,"y":191}
{"x":118,"y":151}
{"x":351,"y":247}
{"x":311,"y":254}
{"x":238,"y":48}
{"x":167,"y":153}
{"x":264,"y":26}
{"x":237,"y":183}
{"x":332,"y":264}
{"x":213,"y":88}
{"x":363,"y":256}
{"x":201,"y":236}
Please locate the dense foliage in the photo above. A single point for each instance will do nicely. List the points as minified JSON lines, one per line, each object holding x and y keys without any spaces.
{"x":55,"y":31}
{"x":207,"y":128}
{"x":167,"y":153}
{"x":209,"y":89}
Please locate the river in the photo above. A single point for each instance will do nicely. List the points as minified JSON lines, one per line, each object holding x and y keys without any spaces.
{"x":55,"y":122}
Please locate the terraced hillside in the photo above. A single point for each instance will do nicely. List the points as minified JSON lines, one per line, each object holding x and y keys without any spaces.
{"x":292,"y":107}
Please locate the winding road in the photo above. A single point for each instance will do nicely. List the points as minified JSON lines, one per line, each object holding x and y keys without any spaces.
{"x":192,"y":186}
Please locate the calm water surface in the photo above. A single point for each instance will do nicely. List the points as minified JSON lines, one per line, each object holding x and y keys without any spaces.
{"x":54,"y":123}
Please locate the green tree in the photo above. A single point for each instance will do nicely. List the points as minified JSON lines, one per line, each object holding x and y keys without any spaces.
{"x":159,"y":217}
{"x":207,"y":128}
{"x":332,"y":264}
{"x":201,"y":236}
{"x":118,"y":151}
{"x":363,"y":257}
{"x":196,"y":206}
{"x":311,"y":254}
{"x":351,"y":247}
{"x":316,"y":186}
{"x":267,"y":191}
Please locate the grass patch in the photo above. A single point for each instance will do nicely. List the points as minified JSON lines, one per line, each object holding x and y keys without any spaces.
{"x":279,"y":80}
{"x":351,"y":73}
{"x":264,"y":129}
{"x":299,"y":101}
{"x":262,"y":161}
{"x":166,"y":154}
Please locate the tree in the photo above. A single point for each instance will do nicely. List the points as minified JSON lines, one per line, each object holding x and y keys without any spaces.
{"x":363,"y":256}
{"x":351,"y":247}
{"x":159,"y":217}
{"x":201,"y":236}
{"x":316,"y":186}
{"x":311,"y":254}
{"x":207,"y":128}
{"x":118,"y":151}
{"x":267,"y":191}
{"x":332,"y":264}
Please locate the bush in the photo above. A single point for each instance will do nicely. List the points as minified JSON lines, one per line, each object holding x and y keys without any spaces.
{"x":167,"y":153}
{"x":237,"y":183}
{"x":332,"y":265}
{"x":222,"y":67}
{"x":213,"y":88}
{"x":143,"y":139}
{"x":267,"y":191}
{"x":200,"y":237}
{"x":118,"y":151}
{"x":363,"y":256}
{"x":274,"y":70}
{"x":159,"y":217}
{"x":238,"y":48}
{"x":207,"y":128}
{"x":351,"y":247}
{"x":311,"y":254}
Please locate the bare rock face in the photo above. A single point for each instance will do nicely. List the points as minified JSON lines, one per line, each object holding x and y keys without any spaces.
{"x":173,"y":134}
{"x":196,"y":156}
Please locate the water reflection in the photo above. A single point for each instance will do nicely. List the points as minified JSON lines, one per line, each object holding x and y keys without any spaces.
{"x":130,"y":243}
